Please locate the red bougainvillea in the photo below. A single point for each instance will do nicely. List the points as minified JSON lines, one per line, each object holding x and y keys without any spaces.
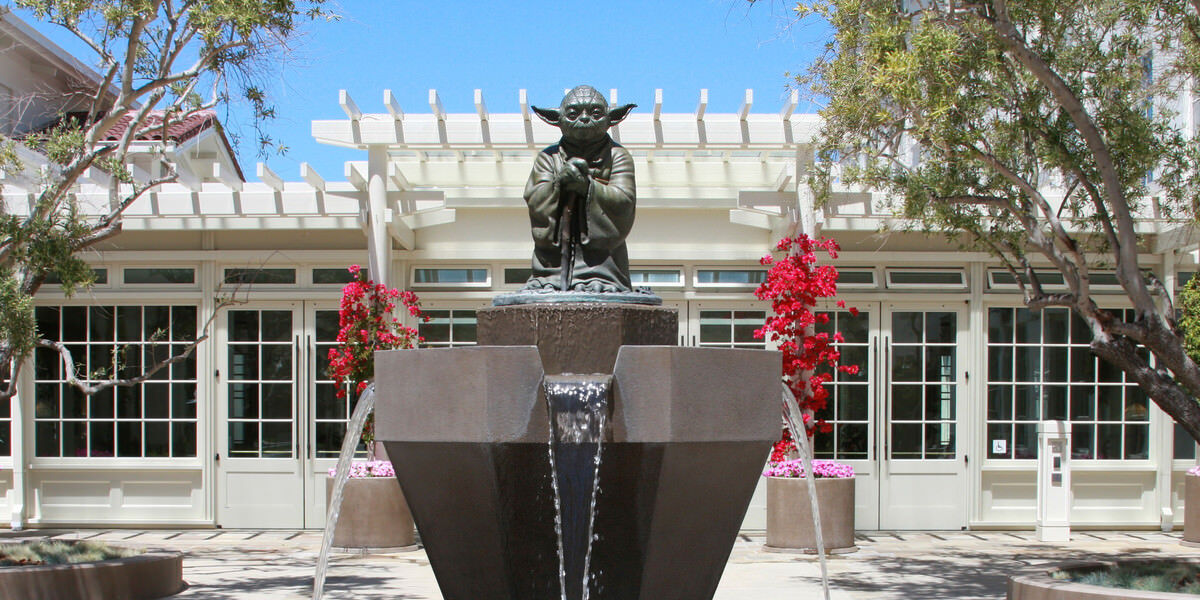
{"x":366,"y":323}
{"x":794,"y":285}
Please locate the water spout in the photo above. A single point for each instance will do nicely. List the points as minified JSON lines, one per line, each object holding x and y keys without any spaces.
{"x":796,"y":423}
{"x":354,"y":429}
{"x":578,"y":410}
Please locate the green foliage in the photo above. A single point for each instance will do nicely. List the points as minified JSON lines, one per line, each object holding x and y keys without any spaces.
{"x":54,"y":552}
{"x":1158,"y":576}
{"x":945,"y":80}
{"x":1189,"y":323}
{"x":170,"y":57}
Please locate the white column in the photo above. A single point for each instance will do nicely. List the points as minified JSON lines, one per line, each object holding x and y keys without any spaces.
{"x":1054,"y":482}
{"x":379,"y":244}
{"x":18,"y":429}
{"x":808,"y":218}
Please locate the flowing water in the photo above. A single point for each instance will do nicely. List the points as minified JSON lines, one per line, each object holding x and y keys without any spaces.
{"x":795,"y":421}
{"x":578,"y":412}
{"x":358,"y":420}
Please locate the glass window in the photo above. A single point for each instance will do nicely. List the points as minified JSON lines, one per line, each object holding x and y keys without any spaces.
{"x":517,"y":276}
{"x":156,"y":418}
{"x":161,"y":276}
{"x":848,"y":408}
{"x":1185,"y":446}
{"x":260,"y":276}
{"x":450,"y":276}
{"x":731,"y":328}
{"x":730,"y":277}
{"x":261,"y":384}
{"x":653,"y":277}
{"x":331,"y":276}
{"x":856,"y":278}
{"x":101,"y":276}
{"x":330,"y":412}
{"x":447,"y":328}
{"x":902,"y":278}
{"x":922,"y":409}
{"x":1040,"y":368}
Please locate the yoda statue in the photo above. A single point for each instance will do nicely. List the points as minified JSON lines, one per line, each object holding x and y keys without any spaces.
{"x":581,"y":199}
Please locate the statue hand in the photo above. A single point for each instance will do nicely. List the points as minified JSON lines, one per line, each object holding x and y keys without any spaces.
{"x":574,"y":178}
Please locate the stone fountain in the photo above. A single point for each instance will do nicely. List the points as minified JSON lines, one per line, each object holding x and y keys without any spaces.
{"x":576,"y":452}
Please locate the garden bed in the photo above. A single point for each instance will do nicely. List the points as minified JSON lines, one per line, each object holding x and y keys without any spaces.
{"x":54,"y":570}
{"x":1138,"y":579}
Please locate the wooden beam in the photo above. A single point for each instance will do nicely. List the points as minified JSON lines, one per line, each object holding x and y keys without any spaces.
{"x":309,"y":174}
{"x":790,"y":106}
{"x":226,"y":176}
{"x":523,"y":100}
{"x":657,"y":105}
{"x":435,"y":104}
{"x":700,"y":108}
{"x":750,"y":219}
{"x":348,"y":105}
{"x":480,"y":106}
{"x":96,"y":176}
{"x":744,"y":111}
{"x":267,"y":176}
{"x":429,"y":218}
{"x":355,"y":177}
{"x":397,"y":176}
{"x":399,"y":231}
{"x":786,"y":175}
{"x":393,"y":107}
{"x":612,"y":97}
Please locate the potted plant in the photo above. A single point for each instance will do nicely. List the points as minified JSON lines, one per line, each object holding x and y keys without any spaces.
{"x":794,"y":285}
{"x":789,"y":511}
{"x":373,"y":513}
{"x":1191,"y":507}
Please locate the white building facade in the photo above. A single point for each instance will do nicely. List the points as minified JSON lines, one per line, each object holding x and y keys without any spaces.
{"x":939,"y":424}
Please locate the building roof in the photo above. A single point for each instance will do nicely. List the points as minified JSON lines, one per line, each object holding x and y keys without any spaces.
{"x":178,"y":132}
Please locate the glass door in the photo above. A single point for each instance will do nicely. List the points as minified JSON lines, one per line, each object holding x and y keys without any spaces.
{"x":923,"y":483}
{"x":259,"y":456}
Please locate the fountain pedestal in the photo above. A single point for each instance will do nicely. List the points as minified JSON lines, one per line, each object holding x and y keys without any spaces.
{"x":468,"y":433}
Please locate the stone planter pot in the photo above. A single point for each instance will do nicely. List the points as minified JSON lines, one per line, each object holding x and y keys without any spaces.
{"x":142,"y":577}
{"x":1041,"y":586}
{"x":1191,"y":511}
{"x":789,"y":515}
{"x":374,"y":516}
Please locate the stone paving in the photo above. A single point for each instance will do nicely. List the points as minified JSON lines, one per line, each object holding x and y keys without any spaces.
{"x":228,"y":564}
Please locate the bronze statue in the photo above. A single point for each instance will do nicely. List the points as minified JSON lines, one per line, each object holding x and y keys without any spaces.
{"x":581,"y":198}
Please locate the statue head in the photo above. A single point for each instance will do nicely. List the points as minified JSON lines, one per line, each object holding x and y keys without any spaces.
{"x":584,"y":115}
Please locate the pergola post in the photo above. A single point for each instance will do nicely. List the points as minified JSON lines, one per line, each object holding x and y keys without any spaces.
{"x":379,"y":244}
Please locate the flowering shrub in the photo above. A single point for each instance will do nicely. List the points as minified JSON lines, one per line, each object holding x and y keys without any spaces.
{"x":365,"y":324}
{"x":366,"y":470}
{"x":1194,"y":470}
{"x":821,"y":469}
{"x":794,"y":285}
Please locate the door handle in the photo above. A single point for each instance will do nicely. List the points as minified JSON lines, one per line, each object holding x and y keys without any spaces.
{"x":887,"y":395}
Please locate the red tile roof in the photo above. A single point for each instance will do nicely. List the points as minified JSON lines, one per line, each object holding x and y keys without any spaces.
{"x":178,"y":132}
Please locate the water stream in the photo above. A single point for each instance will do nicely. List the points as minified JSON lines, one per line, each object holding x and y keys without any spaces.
{"x":366,"y":402}
{"x":795,"y":421}
{"x":578,"y":410}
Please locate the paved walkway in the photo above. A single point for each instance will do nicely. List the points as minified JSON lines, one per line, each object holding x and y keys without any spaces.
{"x":229,"y":564}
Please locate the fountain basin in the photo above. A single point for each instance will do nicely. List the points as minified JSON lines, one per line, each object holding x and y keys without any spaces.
{"x":467,"y":430}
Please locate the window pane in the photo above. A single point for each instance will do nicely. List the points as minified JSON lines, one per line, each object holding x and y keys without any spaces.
{"x":260,"y":276}
{"x":160,"y":276}
{"x":331,"y":276}
{"x":906,"y":441}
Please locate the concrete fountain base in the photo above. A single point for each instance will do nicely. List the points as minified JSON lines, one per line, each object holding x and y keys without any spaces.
{"x":468,"y":432}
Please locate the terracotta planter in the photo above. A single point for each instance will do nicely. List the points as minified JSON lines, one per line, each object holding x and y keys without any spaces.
{"x":374,"y":515}
{"x":141,"y":577}
{"x":789,"y":515}
{"x":1191,"y":510}
{"x":1041,"y":586}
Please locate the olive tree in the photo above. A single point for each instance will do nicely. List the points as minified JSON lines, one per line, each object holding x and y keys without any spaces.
{"x":159,"y":62}
{"x":1040,"y":131}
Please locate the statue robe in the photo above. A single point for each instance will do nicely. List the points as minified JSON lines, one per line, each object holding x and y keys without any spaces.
{"x":602,"y":217}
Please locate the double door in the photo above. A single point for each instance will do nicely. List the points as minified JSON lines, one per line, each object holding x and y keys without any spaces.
{"x":279,"y":420}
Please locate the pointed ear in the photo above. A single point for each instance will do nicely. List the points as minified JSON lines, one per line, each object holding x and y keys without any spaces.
{"x":619,"y":113}
{"x":548,"y":115}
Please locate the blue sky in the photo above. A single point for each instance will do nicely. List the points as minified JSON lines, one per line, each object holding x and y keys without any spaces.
{"x":500,"y":47}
